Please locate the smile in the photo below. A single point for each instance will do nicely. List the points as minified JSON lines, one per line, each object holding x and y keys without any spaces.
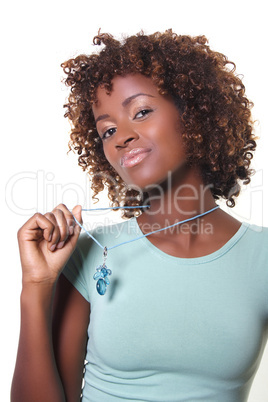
{"x":134,"y":157}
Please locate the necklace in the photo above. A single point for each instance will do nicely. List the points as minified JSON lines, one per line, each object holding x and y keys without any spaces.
{"x":102,"y":272}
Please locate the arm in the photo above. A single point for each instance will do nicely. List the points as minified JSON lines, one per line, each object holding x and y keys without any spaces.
{"x":46,"y":243}
{"x":36,"y":377}
{"x":70,"y":323}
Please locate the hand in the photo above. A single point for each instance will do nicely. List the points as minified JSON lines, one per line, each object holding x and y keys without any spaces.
{"x":46,"y":242}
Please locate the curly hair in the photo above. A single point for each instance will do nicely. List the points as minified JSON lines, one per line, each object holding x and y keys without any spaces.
{"x":216,"y":114}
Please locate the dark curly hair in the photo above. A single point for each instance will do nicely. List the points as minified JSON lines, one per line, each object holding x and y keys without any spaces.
{"x":218,"y":130}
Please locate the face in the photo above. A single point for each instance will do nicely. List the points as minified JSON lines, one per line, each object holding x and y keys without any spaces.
{"x":140,"y":130}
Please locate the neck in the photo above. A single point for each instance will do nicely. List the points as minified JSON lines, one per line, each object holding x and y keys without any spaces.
{"x":178,"y":198}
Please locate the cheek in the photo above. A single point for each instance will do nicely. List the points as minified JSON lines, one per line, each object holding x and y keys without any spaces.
{"x":108,"y":155}
{"x":170,"y":142}
{"x":113,"y":162}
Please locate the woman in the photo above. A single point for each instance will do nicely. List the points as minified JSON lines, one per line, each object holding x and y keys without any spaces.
{"x":163,"y":122}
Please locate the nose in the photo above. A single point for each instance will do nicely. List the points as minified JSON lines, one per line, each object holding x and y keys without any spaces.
{"x":125,"y":135}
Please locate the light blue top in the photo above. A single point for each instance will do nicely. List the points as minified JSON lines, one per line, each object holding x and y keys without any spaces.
{"x":173,"y":329}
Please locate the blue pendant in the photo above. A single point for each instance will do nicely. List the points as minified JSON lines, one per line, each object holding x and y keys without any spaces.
{"x":101,"y":277}
{"x":101,"y":287}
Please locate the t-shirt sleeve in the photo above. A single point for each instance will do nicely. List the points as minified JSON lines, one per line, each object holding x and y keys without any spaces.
{"x":74,"y":271}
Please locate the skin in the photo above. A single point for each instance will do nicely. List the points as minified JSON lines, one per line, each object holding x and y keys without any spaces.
{"x":54,"y":315}
{"x":134,"y":116}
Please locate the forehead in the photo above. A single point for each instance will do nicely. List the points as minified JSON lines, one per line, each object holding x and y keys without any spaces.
{"x":124,"y":87}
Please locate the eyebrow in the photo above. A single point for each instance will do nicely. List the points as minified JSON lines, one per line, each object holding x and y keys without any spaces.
{"x":124,"y":104}
{"x":130,"y":99}
{"x":101,"y":117}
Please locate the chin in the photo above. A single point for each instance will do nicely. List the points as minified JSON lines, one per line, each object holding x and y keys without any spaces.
{"x":145,"y":183}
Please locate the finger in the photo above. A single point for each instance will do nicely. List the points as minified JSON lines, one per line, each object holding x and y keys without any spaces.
{"x":77,"y":213}
{"x":68,"y":216}
{"x":62,"y":225}
{"x":55,"y":231}
{"x":35,"y":228}
{"x":66,"y":223}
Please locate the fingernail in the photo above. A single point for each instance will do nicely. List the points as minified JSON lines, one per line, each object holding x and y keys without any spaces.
{"x":60,"y":245}
{"x":52,"y":248}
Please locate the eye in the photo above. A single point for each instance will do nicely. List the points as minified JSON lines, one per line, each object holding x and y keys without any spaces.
{"x":108,"y":133}
{"x":142,"y":113}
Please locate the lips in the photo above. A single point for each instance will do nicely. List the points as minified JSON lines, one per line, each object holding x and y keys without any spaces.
{"x":134,"y":157}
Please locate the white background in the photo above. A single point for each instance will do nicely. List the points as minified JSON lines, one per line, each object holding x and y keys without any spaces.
{"x":37,"y":173}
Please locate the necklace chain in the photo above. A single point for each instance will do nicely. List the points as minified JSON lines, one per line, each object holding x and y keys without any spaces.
{"x":102,"y":272}
{"x":144,"y":235}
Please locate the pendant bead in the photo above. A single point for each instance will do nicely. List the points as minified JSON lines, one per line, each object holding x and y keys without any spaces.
{"x":101,"y":287}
